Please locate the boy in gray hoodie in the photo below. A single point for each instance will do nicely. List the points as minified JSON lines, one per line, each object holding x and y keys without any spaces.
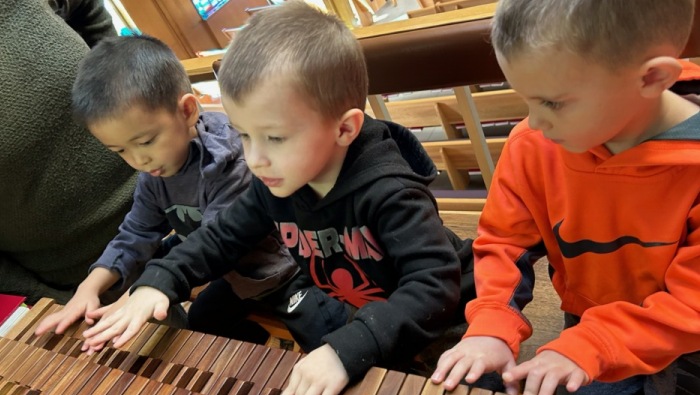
{"x":134,"y":96}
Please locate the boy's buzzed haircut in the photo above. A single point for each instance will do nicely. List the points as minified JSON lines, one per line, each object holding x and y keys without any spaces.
{"x":121,"y":72}
{"x":611,"y":32}
{"x":316,"y":50}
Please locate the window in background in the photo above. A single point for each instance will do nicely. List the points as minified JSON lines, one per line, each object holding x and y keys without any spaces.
{"x":207,"y":8}
{"x":120,"y":18}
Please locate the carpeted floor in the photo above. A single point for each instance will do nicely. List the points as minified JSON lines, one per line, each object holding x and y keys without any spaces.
{"x":543,"y":312}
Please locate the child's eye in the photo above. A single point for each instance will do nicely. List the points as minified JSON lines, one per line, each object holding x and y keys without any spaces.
{"x":149,"y":142}
{"x":554,"y":105}
{"x":244,"y":136}
{"x":276,"y":139}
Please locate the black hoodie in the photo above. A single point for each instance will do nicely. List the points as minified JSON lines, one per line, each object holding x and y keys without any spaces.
{"x":374,"y":241}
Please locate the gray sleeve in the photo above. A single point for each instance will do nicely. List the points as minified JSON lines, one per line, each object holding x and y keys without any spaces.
{"x":138,"y":239}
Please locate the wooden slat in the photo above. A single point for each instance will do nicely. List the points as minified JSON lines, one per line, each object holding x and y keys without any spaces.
{"x":413,"y":385}
{"x":461,"y":152}
{"x":472,"y":123}
{"x":200,"y":69}
{"x":491,"y":106}
{"x":369,"y":384}
{"x":445,"y":6}
{"x":461,"y":204}
{"x":378,"y":107}
{"x":30,"y":319}
{"x":447,"y":18}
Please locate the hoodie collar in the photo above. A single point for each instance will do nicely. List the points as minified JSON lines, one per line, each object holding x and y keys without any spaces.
{"x":216,"y":144}
{"x":382,"y":149}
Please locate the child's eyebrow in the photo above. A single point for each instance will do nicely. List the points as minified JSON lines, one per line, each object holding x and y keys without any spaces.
{"x":263,"y":127}
{"x":543,"y":98}
{"x":142,"y":134}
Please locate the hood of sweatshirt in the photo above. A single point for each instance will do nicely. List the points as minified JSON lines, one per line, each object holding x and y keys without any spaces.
{"x":382,"y":149}
{"x":222,"y":146}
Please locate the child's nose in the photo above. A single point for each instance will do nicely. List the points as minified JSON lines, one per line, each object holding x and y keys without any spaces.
{"x":141,"y":159}
{"x":537,"y":122}
{"x":255,"y":157}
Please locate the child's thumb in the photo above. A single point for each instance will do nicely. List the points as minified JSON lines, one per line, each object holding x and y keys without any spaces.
{"x":160,"y":312}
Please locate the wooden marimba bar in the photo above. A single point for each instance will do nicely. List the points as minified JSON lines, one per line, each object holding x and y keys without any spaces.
{"x":164,"y":360}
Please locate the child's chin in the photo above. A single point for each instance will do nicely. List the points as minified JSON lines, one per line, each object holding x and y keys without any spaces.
{"x":280,"y":192}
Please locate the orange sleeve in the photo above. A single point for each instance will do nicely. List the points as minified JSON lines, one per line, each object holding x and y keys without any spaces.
{"x":504,"y":251}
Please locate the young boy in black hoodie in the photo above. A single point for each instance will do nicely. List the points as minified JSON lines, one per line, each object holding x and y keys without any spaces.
{"x":348,"y":194}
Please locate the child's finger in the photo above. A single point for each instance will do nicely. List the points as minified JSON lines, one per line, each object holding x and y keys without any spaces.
{"x":445,"y":364}
{"x":46,"y":324}
{"x":458,"y":372}
{"x":532,"y":384}
{"x":577,"y":379}
{"x":131,"y":330}
{"x":516,"y":373}
{"x":96,"y":314}
{"x":104,"y":331}
{"x":292,"y":385}
{"x":512,"y":388}
{"x":549,"y":384}
{"x":160,"y":311}
{"x":476,"y":370}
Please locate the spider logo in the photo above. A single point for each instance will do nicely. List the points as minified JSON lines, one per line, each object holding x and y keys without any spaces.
{"x":340,"y":284}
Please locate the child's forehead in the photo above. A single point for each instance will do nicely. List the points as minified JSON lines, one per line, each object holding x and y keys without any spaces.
{"x":553,"y":62}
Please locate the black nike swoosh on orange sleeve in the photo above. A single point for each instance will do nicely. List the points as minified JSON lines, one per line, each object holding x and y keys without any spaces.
{"x":576,"y":248}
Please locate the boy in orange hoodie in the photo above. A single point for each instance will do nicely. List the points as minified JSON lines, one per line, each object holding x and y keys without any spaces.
{"x":603,"y":178}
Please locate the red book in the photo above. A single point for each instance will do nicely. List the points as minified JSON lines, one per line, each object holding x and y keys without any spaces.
{"x":8,"y":305}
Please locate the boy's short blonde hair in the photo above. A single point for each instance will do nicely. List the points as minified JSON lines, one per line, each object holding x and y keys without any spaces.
{"x":611,"y":32}
{"x":315,"y":50}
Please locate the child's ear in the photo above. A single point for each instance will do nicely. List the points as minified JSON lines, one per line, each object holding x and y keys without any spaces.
{"x":189,"y":107}
{"x":658,"y":74}
{"x":349,"y":127}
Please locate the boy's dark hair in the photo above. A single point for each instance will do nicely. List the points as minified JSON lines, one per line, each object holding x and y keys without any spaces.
{"x":610,"y":32}
{"x":322,"y":58}
{"x":121,"y":72}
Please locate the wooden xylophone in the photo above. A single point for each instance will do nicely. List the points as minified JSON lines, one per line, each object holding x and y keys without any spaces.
{"x":164,"y":360}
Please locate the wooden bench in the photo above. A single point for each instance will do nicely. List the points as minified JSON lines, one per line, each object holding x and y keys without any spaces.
{"x":446,"y":51}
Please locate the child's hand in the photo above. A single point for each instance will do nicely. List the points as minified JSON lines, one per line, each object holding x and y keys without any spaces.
{"x":106,"y":311}
{"x":472,"y":357}
{"x":145,"y":303}
{"x":545,"y":372}
{"x":103,"y":312}
{"x":83,"y":302}
{"x":320,"y":372}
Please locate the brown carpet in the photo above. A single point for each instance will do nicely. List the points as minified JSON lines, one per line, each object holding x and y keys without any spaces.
{"x":543,"y":312}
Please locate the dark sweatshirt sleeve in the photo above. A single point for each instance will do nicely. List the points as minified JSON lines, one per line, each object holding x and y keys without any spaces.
{"x":212,"y":250}
{"x":425,"y":301}
{"x":90,"y":19}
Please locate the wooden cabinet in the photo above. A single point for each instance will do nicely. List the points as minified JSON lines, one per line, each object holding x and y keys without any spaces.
{"x":177,"y":23}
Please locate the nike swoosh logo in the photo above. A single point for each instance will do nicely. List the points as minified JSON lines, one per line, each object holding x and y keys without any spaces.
{"x":576,"y":248}
{"x":295,"y":300}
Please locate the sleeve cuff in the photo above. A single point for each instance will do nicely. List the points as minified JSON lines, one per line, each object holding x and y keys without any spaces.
{"x":355,"y":346}
{"x":498,"y":321}
{"x":584,"y":348}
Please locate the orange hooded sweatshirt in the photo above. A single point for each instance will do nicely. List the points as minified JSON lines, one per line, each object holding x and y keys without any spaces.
{"x":622,"y":235}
